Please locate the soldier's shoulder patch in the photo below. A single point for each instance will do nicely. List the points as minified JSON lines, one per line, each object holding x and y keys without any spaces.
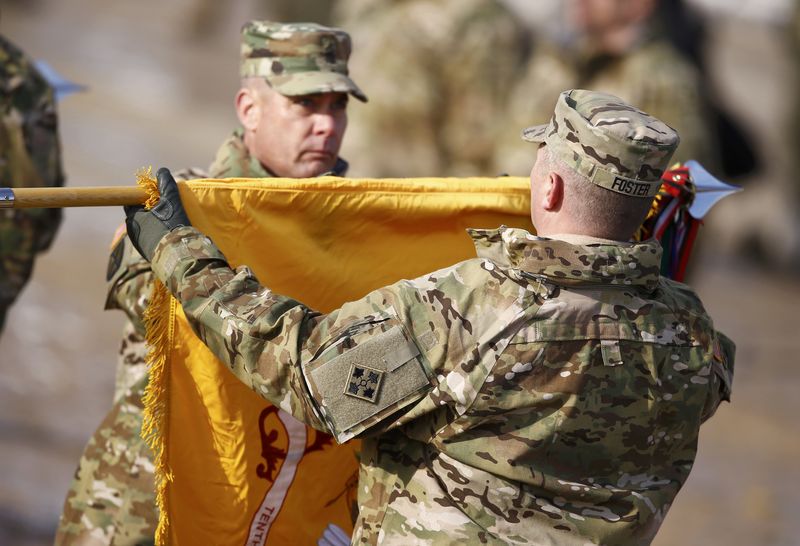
{"x":722,"y":363}
{"x":363,"y":383}
{"x":366,"y":376}
{"x":115,"y":259}
{"x":719,"y":356}
{"x":119,"y":234}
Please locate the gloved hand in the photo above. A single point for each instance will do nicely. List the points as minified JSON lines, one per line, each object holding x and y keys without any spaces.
{"x":147,"y":227}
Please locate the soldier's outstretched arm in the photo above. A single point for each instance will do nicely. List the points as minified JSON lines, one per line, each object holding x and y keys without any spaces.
{"x":345,"y":372}
{"x":723,"y":364}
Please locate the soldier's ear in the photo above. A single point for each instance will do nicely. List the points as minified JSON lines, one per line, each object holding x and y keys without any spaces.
{"x":553,"y":194}
{"x":248,"y":108}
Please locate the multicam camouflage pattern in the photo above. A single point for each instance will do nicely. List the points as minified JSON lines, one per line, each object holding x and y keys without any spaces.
{"x":610,"y":142}
{"x":438,"y":85}
{"x":30,"y":155}
{"x":652,"y":75}
{"x":564,"y":385}
{"x":298,"y":58}
{"x":112,"y":497}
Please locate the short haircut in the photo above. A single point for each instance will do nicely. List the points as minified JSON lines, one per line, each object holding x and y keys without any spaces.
{"x":600,"y":212}
{"x":255,"y":83}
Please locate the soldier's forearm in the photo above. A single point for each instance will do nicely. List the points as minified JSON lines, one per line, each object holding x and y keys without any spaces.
{"x":257,"y":333}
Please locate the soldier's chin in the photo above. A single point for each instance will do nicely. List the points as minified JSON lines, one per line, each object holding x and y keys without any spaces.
{"x":315,"y":166}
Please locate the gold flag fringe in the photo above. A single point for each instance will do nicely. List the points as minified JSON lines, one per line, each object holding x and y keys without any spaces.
{"x":159,"y":327}
{"x":145,"y":179}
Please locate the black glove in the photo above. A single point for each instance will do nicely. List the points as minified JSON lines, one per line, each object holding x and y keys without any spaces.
{"x":147,"y":227}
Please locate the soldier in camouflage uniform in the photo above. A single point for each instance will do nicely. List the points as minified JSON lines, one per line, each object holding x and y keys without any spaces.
{"x":615,"y":46}
{"x":549,"y":391}
{"x":30,"y":155}
{"x":293,"y":109}
{"x":440,"y":72}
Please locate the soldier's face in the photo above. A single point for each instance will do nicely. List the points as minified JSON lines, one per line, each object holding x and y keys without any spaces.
{"x":299,"y":137}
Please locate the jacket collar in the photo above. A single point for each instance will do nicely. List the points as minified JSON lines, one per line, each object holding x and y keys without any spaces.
{"x":569,"y":264}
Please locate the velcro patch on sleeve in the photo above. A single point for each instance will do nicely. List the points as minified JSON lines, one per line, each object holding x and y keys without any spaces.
{"x":378,"y":375}
{"x":115,"y":259}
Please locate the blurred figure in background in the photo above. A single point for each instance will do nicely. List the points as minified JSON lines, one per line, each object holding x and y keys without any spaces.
{"x":686,"y":29}
{"x":30,"y":155}
{"x":439,"y":73}
{"x":206,"y":16}
{"x":793,"y":127}
{"x":618,"y":47}
{"x":793,"y":35}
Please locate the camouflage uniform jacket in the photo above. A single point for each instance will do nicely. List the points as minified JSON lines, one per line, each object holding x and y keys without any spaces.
{"x":112,"y":496}
{"x":542,"y":393}
{"x":30,"y":155}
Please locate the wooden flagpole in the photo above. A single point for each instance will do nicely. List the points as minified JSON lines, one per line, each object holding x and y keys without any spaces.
{"x":100,"y":196}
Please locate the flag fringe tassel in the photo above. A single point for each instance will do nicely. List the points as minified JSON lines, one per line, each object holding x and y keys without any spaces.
{"x":158,"y":324}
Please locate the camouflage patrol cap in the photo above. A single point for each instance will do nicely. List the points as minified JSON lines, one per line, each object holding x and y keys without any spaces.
{"x":613,"y":144}
{"x":298,"y":58}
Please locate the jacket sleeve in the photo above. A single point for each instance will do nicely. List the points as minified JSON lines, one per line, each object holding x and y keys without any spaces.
{"x":263,"y":337}
{"x":724,"y":353}
{"x":374,"y":364}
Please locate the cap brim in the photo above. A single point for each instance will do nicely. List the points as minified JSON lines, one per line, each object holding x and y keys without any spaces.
{"x":535,"y":133}
{"x":308,"y":83}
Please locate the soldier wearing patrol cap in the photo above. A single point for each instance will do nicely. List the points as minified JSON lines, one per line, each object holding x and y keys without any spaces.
{"x":615,"y":156}
{"x":551,"y":394}
{"x":292,"y":106}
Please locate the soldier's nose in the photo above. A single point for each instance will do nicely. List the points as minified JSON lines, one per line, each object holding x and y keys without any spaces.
{"x":324,"y":124}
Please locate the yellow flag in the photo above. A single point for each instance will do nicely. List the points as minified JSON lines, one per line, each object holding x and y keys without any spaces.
{"x":239,"y":470}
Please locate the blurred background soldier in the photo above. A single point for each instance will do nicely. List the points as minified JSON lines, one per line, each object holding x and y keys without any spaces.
{"x":619,"y":47}
{"x":792,"y":128}
{"x":439,"y":72}
{"x":290,"y":127}
{"x":30,"y":155}
{"x":207,"y":16}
